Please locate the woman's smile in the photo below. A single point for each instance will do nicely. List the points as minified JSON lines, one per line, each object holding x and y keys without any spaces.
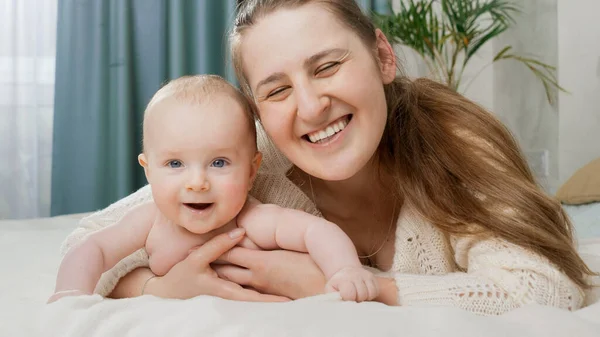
{"x":329,"y":134}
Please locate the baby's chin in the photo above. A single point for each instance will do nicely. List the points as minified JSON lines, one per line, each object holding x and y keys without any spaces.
{"x":211,"y":229}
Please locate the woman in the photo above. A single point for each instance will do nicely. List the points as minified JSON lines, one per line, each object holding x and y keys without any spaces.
{"x":431,"y":188}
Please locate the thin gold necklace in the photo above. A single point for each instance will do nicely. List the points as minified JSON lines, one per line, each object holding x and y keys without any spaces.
{"x":314,"y":200}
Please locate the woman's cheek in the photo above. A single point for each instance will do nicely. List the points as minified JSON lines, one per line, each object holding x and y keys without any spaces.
{"x":277,"y":119}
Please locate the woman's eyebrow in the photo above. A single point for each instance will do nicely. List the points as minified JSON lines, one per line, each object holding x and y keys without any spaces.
{"x":272,"y":78}
{"x":318,"y":56}
{"x":307,"y":64}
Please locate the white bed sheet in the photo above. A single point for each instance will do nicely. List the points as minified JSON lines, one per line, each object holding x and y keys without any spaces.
{"x":30,"y":257}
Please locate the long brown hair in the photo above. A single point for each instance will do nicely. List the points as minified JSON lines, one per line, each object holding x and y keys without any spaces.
{"x":456,"y":164}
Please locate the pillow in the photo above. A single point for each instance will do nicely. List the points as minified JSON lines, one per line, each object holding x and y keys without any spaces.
{"x":583,"y":187}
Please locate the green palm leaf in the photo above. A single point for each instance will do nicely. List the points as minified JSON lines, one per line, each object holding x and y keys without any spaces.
{"x":444,"y":31}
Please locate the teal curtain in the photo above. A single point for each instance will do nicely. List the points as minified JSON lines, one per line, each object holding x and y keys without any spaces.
{"x":112,"y":55}
{"x":378,"y":6}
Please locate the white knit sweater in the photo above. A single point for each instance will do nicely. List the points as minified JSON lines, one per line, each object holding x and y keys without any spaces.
{"x":487,"y":277}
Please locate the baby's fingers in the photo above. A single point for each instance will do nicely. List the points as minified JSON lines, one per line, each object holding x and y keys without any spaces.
{"x":330,"y":288}
{"x":362,"y":291}
{"x":348,"y":291}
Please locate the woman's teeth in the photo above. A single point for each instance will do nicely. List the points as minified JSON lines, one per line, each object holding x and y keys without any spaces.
{"x":319,"y":136}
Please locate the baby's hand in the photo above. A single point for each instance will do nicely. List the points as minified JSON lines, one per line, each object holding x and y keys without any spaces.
{"x":60,"y":294}
{"x":354,"y":284}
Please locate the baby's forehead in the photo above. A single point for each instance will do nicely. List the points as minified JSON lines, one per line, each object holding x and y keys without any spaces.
{"x":213,"y":106}
{"x":219,"y":115}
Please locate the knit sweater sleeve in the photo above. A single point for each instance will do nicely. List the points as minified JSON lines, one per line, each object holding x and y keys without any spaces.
{"x":484,"y":275}
{"x":492,"y":276}
{"x":106,"y":217}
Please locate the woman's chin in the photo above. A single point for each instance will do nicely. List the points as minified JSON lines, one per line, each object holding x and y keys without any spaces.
{"x":333,"y":171}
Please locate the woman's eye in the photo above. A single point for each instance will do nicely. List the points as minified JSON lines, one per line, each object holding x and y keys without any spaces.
{"x":328,"y":66}
{"x":276,"y":92}
{"x":175,"y":164}
{"x":219,"y":163}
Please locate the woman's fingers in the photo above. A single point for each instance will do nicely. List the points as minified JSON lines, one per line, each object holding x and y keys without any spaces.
{"x":215,"y":247}
{"x":232,"y":291}
{"x":234,"y":274}
{"x":373,"y":288}
{"x":240,"y":256}
{"x":247,"y":243}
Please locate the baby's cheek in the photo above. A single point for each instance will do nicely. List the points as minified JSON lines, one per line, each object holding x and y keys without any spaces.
{"x":235,"y":193}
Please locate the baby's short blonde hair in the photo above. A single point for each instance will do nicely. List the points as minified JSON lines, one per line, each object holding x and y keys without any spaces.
{"x":196,"y":89}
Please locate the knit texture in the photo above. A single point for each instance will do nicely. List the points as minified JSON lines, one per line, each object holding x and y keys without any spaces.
{"x":485,"y":276}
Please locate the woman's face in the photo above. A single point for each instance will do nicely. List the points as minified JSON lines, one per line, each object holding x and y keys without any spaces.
{"x":318,"y":88}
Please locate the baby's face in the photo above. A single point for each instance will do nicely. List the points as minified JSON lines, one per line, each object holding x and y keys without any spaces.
{"x":199,"y":160}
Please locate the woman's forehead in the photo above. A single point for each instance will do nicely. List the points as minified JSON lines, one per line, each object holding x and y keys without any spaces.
{"x":291,"y":36}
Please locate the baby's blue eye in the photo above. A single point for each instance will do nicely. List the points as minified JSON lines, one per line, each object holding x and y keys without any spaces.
{"x":218,"y":163}
{"x":174,"y":164}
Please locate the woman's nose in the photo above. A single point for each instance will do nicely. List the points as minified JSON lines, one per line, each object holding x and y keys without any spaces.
{"x":311,"y":104}
{"x":198,"y":182}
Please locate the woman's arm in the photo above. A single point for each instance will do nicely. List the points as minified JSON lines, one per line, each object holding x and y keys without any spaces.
{"x":131,"y":284}
{"x":388,"y":291}
{"x":498,"y":277}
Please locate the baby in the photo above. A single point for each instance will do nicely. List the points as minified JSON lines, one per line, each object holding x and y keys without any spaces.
{"x":200,"y":159}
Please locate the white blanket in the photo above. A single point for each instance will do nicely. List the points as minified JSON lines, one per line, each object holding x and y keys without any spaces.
{"x":320,"y":316}
{"x":30,"y":257}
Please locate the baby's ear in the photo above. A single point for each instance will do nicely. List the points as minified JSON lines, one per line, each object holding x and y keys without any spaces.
{"x":254,"y":168}
{"x":144,"y":163}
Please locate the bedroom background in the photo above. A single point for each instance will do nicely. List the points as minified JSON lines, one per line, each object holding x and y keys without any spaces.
{"x":75,"y":76}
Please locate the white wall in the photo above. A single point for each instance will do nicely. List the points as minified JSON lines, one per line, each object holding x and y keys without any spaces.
{"x":579,"y":72}
{"x":519,"y":97}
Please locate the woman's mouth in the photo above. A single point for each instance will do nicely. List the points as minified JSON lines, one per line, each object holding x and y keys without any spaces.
{"x":329,"y":132}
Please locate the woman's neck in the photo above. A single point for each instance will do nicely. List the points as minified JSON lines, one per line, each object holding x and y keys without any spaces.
{"x":370,"y":188}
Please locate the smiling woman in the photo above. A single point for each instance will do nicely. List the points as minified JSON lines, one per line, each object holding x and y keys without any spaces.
{"x":338,"y":80}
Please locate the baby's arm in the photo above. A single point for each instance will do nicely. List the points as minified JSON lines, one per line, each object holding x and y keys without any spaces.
{"x":272,"y":227}
{"x":84,"y":263}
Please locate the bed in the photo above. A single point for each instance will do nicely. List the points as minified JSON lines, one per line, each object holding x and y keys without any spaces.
{"x":30,"y":258}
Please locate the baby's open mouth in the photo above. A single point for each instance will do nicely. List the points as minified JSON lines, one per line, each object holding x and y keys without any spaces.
{"x":198,"y":206}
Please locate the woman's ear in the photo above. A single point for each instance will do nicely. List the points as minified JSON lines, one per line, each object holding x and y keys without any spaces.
{"x":386,"y":57}
{"x":254,"y":168}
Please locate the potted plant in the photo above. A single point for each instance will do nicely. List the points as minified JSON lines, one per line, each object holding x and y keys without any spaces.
{"x":448,"y":33}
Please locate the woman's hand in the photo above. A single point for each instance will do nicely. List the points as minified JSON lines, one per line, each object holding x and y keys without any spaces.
{"x":194,"y":275}
{"x":278,"y":272}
